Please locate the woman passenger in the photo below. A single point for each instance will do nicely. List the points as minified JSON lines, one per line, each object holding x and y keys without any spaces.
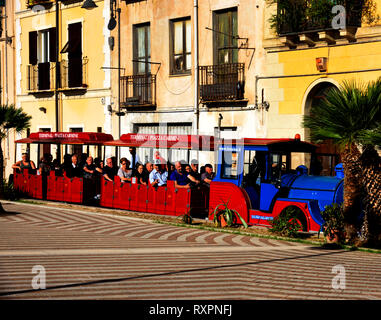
{"x":139,"y":175}
{"x":124,"y":172}
{"x":25,"y":163}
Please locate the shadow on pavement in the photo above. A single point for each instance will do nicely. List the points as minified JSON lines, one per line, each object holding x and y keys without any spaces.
{"x":73,"y":285}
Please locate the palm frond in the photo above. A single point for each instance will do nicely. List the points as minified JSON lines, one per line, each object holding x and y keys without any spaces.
{"x":345,"y":112}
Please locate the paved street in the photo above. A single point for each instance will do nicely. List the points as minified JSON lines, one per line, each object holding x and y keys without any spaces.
{"x":87,"y":255}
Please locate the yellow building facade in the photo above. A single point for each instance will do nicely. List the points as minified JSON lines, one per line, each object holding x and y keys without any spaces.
{"x":212,"y":67}
{"x":7,"y":74}
{"x":80,"y":99}
{"x":301,"y":65}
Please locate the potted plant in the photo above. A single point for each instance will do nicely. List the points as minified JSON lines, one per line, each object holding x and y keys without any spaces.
{"x":225,"y":217}
{"x":333,"y":227}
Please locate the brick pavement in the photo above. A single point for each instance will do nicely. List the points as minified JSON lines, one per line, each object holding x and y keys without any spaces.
{"x":97,"y":256}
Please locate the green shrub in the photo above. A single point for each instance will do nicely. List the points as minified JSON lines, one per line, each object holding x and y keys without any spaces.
{"x":333,"y":222}
{"x":286,"y":224}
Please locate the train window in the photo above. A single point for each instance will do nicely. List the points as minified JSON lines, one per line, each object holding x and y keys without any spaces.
{"x":278,"y":164}
{"x":248,"y":161}
{"x":229,"y":165}
{"x":300,"y":158}
{"x":254,"y":166}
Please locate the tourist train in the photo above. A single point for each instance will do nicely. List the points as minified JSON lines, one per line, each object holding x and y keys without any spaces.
{"x":259,"y":178}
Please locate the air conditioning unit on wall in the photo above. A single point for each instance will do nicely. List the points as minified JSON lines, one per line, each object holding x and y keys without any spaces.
{"x":322,"y":64}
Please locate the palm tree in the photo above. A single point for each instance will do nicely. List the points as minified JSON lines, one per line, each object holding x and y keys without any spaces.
{"x":341,"y":117}
{"x":11,"y":118}
{"x":371,"y":182}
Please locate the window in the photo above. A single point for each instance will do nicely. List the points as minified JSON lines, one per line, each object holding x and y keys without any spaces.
{"x":142,"y":49}
{"x":278,"y":163}
{"x":45,"y":146}
{"x":254,"y":167}
{"x":42,"y":51}
{"x":229,"y":168}
{"x":225,"y":32}
{"x":76,"y":149}
{"x":42,"y":46}
{"x":172,"y":155}
{"x":181,"y":43}
{"x":72,"y":69}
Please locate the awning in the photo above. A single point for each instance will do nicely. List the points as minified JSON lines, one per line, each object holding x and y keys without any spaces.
{"x":190,"y":142}
{"x":88,"y":138}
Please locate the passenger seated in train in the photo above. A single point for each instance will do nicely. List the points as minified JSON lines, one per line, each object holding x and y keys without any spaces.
{"x":193,"y":176}
{"x":146,"y":171}
{"x":124,"y":172}
{"x":99,"y":165}
{"x":89,"y":168}
{"x":208,"y":175}
{"x":57,"y":167}
{"x":179,"y":177}
{"x":109,"y":170}
{"x":82,"y":158}
{"x":73,"y":170}
{"x":158,"y":177}
{"x":44,"y":167}
{"x":25,"y":163}
{"x":139,"y":175}
{"x":170,"y":168}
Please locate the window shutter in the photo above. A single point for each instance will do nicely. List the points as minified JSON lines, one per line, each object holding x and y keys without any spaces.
{"x":75,"y":40}
{"x":33,"y":47}
{"x":52,"y":44}
{"x":75,"y":55}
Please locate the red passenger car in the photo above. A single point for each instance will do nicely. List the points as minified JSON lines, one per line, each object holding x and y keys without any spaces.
{"x":165,"y":200}
{"x":59,"y":188}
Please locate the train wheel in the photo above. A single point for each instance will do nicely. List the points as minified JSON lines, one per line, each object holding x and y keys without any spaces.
{"x":297,"y":215}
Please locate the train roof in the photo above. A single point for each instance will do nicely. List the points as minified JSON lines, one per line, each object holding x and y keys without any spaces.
{"x":283,"y":144}
{"x":90,"y":138}
{"x":167,"y":141}
{"x":190,"y":142}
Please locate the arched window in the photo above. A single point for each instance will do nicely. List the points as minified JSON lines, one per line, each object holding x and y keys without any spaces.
{"x":327,"y":153}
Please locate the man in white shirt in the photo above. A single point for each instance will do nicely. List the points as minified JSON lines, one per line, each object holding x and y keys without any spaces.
{"x":157,"y":177}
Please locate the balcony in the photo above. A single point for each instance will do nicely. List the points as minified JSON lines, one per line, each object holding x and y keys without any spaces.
{"x":45,"y":3}
{"x":138,"y":91}
{"x":41,"y":77}
{"x":74,"y":75}
{"x":223,"y":83}
{"x":132,"y":1}
{"x":309,"y":21}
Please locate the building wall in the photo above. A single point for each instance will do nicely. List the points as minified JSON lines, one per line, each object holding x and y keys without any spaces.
{"x":291,"y":74}
{"x":176,"y":93}
{"x":87,"y":108}
{"x":7,"y":75}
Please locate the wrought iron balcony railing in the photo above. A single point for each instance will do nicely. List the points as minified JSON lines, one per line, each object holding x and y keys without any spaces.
{"x":138,"y":90}
{"x":31,"y":3}
{"x":41,"y":77}
{"x":74,"y":73}
{"x":300,"y":16}
{"x":222,"y":82}
{"x":132,"y":1}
